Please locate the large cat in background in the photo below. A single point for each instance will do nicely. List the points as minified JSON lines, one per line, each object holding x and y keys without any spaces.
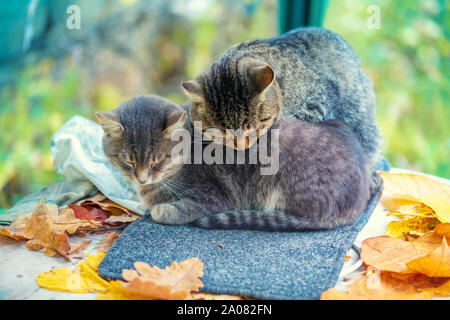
{"x":311,"y":74}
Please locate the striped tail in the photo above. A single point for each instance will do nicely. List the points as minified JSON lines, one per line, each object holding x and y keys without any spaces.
{"x":277,"y":220}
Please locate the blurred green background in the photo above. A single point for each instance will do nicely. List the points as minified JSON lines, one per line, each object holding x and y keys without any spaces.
{"x":48,"y":73}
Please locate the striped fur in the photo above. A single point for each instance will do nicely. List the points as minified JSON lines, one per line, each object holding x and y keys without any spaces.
{"x":317,"y":77}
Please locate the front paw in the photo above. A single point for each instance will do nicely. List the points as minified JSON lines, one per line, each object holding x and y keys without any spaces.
{"x":166,"y":213}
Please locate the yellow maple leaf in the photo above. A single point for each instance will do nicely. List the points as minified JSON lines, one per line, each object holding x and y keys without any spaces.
{"x":83,"y":279}
{"x":398,"y":229}
{"x":408,"y":189}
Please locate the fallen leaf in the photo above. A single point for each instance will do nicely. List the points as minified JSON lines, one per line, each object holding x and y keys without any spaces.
{"x":97,"y":198}
{"x":376,"y":287}
{"x":83,"y":279}
{"x":172,"y":283}
{"x":40,"y":227}
{"x":76,"y":249}
{"x":66,"y":221}
{"x":387,"y":254}
{"x":124,"y":218}
{"x":443,"y":230}
{"x":81,"y":212}
{"x":413,"y":186}
{"x":417,"y":225}
{"x":107,"y":242}
{"x":440,"y":205}
{"x":435,"y":264}
{"x":393,"y":202}
{"x":427,"y":243}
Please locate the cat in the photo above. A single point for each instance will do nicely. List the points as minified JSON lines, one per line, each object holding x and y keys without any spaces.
{"x":310,"y":74}
{"x":320,"y":184}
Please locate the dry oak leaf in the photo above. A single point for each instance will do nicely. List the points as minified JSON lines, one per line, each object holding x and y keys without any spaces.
{"x":387,"y":254}
{"x":413,"y":187}
{"x":107,"y":242}
{"x":63,"y":219}
{"x":435,"y":264}
{"x":175,"y":282}
{"x":39,"y":229}
{"x":377,"y":287}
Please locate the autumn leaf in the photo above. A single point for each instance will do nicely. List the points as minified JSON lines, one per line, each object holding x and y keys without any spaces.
{"x":416,"y":188}
{"x":83,"y":279}
{"x":377,"y":286}
{"x":416,"y":226}
{"x":172,"y":283}
{"x":39,"y":229}
{"x":124,"y":218}
{"x":76,"y":249}
{"x":107,"y":242}
{"x":66,"y":221}
{"x":435,"y":264}
{"x":443,"y":229}
{"x":387,"y":254}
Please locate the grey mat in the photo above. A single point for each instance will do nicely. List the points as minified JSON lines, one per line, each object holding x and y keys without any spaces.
{"x":267,"y":265}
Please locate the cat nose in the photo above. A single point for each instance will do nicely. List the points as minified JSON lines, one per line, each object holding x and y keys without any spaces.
{"x":142,"y":175}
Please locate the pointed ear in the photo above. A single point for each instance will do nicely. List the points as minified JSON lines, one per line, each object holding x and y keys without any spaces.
{"x":175,"y":120}
{"x":110,"y":124}
{"x":260,"y":75}
{"x":193,"y":89}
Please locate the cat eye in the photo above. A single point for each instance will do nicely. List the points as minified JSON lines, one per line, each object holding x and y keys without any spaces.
{"x":130,"y":163}
{"x":265,"y":119}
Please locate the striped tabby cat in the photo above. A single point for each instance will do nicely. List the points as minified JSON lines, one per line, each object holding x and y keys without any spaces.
{"x":321,"y":182}
{"x":310,"y":74}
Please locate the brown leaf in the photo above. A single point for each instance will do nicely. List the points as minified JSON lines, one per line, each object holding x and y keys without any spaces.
{"x":66,"y":221}
{"x":435,"y":264}
{"x":124,"y":218}
{"x":107,"y":242}
{"x":377,"y":287}
{"x":172,"y":283}
{"x":76,"y":249}
{"x":443,"y":230}
{"x":387,"y":254}
{"x":40,"y":227}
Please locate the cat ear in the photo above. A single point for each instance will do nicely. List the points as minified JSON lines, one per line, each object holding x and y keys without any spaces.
{"x":193,"y":89}
{"x":261,"y":75}
{"x":110,"y":124}
{"x":175,"y":120}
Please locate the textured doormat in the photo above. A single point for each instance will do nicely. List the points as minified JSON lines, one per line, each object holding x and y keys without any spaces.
{"x":266,"y":265}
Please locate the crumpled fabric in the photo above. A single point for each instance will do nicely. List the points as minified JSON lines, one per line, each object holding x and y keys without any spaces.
{"x":78,"y":155}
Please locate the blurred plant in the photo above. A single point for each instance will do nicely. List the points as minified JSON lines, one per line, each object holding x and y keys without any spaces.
{"x":408,"y":60}
{"x":130,"y":47}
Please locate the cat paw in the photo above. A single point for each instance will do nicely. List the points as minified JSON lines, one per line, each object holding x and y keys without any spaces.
{"x":166,"y":213}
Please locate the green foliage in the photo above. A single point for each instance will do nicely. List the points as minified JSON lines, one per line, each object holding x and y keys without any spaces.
{"x":408,"y":59}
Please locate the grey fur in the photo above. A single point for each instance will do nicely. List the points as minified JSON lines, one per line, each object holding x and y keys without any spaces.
{"x":321,"y":182}
{"x":317,"y":77}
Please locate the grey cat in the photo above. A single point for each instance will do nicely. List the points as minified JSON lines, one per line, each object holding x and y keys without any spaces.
{"x":311,"y":74}
{"x":321,"y":182}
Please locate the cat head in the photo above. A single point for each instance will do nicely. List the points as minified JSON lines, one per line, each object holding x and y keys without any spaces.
{"x":236,"y":94}
{"x":137,"y":137}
